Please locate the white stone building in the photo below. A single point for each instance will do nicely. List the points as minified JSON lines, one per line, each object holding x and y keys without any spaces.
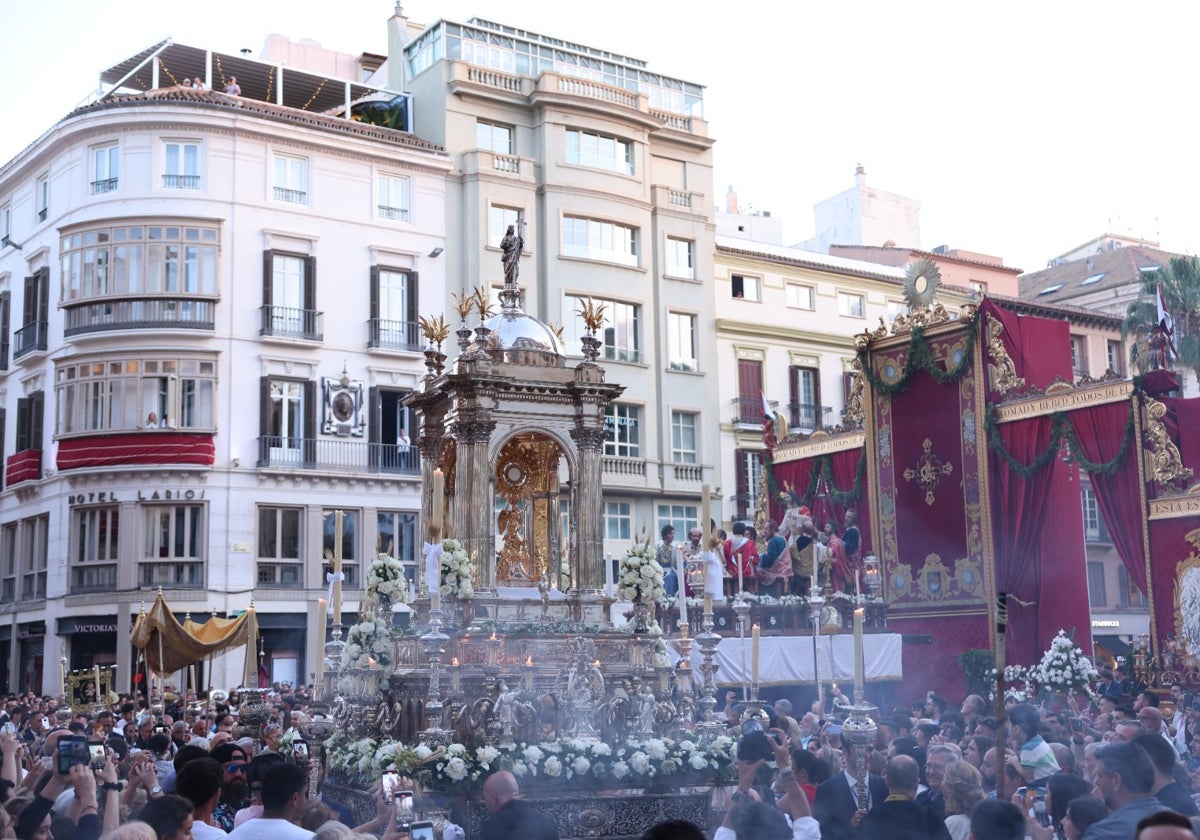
{"x":207,"y":308}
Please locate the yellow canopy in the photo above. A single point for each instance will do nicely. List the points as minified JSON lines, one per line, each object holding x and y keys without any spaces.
{"x":183,"y":644}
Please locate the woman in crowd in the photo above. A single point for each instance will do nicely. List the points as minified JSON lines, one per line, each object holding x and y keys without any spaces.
{"x":961,"y":789}
{"x":169,"y":815}
{"x":1082,"y":814}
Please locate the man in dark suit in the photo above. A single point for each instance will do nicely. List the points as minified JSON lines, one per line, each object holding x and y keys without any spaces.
{"x":899,"y":817}
{"x":510,"y":817}
{"x":836,"y":807}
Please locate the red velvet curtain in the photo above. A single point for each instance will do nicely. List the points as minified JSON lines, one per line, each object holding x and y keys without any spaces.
{"x":1100,"y":431}
{"x":845,"y":467}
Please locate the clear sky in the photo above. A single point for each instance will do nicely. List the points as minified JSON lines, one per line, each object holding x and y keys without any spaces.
{"x":1023,"y":128}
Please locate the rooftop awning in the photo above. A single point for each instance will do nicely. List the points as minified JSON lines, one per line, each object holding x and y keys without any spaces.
{"x":258,"y":79}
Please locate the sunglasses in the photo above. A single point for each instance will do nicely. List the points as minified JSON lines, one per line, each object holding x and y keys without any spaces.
{"x":235,"y":768}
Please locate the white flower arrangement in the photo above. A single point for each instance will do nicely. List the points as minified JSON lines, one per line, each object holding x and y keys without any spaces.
{"x":455,"y":571}
{"x":1064,"y":668}
{"x":641,"y":577}
{"x":368,"y":642}
{"x":385,"y":577}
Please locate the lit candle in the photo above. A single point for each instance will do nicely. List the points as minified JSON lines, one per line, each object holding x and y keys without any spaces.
{"x":737,"y":561}
{"x":528,"y":661}
{"x":96,"y":670}
{"x":682,"y":601}
{"x":493,"y":636}
{"x":529,"y":673}
{"x":705,"y":514}
{"x":338,"y":519}
{"x":708,"y":605}
{"x":817,"y":548}
{"x":857,"y":593}
{"x":596,"y":664}
{"x":454,"y":661}
{"x":754,"y":655}
{"x":858,"y":651}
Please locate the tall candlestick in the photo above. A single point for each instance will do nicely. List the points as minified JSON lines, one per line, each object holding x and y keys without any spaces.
{"x":322,"y":610}
{"x":816,"y":547}
{"x":437,"y":504}
{"x":96,"y":670}
{"x":708,"y":604}
{"x":754,"y":654}
{"x":858,"y":653}
{"x":705,"y":515}
{"x":857,"y":593}
{"x":737,"y":561}
{"x":338,"y":518}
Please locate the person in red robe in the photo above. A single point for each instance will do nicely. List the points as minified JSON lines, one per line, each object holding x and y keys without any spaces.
{"x":741,"y":551}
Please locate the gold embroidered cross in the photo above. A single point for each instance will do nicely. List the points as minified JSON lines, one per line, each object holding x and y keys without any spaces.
{"x":929,"y":471}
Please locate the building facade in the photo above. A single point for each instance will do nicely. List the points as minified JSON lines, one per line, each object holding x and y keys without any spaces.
{"x":610,"y":167}
{"x":208,"y":309}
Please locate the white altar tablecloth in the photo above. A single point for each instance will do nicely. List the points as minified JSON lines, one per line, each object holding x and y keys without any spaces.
{"x":789,"y":659}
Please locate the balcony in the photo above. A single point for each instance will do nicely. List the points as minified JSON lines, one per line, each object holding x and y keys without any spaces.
{"x":105,"y":185}
{"x":86,"y":579}
{"x":394,"y":335}
{"x":31,"y":338}
{"x":748,"y":411}
{"x":291,"y":196}
{"x":631,"y":469}
{"x":809,"y":416}
{"x":393,"y":214}
{"x":23,"y":466}
{"x":147,"y":447}
{"x":285,"y":322}
{"x":335,"y":455}
{"x":137,"y":314}
{"x":181,"y":182}
{"x":743,"y":505}
{"x":171,"y":575}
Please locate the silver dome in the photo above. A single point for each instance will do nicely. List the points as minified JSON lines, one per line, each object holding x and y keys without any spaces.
{"x":517,"y":337}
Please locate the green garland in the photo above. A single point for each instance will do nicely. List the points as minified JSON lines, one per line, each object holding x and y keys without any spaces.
{"x":1061,"y":429}
{"x":920,"y":357}
{"x":823,"y":468}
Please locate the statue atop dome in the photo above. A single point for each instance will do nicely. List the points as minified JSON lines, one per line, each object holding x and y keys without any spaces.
{"x":511,"y":246}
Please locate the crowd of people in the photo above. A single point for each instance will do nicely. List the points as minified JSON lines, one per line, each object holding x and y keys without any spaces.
{"x":1111,"y":768}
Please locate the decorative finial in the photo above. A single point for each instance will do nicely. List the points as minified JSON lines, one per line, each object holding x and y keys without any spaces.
{"x":592,"y":314}
{"x":482,"y":297}
{"x":463,"y":304}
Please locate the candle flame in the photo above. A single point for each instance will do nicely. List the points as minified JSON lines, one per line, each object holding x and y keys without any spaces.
{"x":596,"y":663}
{"x":528,"y":661}
{"x":454,"y":661}
{"x":493,"y":635}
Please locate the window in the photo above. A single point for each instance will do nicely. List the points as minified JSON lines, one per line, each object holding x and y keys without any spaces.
{"x":397,"y":537}
{"x":493,"y":137}
{"x":1079,"y":355}
{"x":681,"y":340}
{"x":291,"y":179}
{"x":288,"y":421}
{"x":95,"y":553}
{"x":394,"y":309}
{"x":105,"y":168}
{"x":800,"y":296}
{"x":896,"y":308}
{"x":174,"y":547}
{"x":290,"y":296}
{"x":599,"y":152}
{"x":683,"y":437}
{"x":620,"y":336}
{"x":979,"y":287}
{"x":592,"y":239}
{"x":681,"y":258}
{"x":1116,"y":357}
{"x":168,"y":259}
{"x":1094,"y":529}
{"x":1129,"y":593}
{"x":1051,"y":289}
{"x":1097,"y":596}
{"x":8,"y":563}
{"x":499,"y":218}
{"x":748,"y":464}
{"x":682,"y":517}
{"x":393,"y":198}
{"x":31,"y":412}
{"x":5,"y":225}
{"x":181,"y":165}
{"x":1092,"y":278}
{"x":135,"y":394}
{"x":349,"y":544}
{"x":746,"y":288}
{"x":5,"y":306}
{"x":279,"y":559}
{"x":621,"y":437}
{"x":35,"y":534}
{"x":618,"y":521}
{"x":804,"y":406}
{"x":41,"y":197}
{"x":851,"y":305}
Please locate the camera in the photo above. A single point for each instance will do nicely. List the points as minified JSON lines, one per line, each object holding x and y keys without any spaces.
{"x":72,"y":750}
{"x":753,"y":745}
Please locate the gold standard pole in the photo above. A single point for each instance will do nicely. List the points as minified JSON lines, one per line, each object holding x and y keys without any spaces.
{"x":1001,"y":727}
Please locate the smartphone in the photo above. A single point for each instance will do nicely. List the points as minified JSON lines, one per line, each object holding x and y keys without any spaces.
{"x":404,"y":800}
{"x":71,"y":751}
{"x":98,"y":753}
{"x":1039,"y":810}
{"x":1023,"y":792}
{"x":45,"y":722}
{"x":161,"y":730}
{"x":422,"y":830}
{"x":300,"y":749}
{"x":1077,"y":725}
{"x":390,"y":782}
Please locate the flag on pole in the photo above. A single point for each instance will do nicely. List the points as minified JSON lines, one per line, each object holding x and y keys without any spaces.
{"x":1165,"y":323}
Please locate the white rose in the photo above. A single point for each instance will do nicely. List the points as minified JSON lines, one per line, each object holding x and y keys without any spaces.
{"x":639,"y":761}
{"x":519,"y":769}
{"x":656,"y":748}
{"x":533,"y":755}
{"x":581,"y":765}
{"x":601,"y":748}
{"x":698,"y":761}
{"x":456,"y":769}
{"x":553,"y":767}
{"x":620,"y":770}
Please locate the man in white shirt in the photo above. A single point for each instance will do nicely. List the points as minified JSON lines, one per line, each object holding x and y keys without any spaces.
{"x":283,"y":798}
{"x":199,"y":782}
